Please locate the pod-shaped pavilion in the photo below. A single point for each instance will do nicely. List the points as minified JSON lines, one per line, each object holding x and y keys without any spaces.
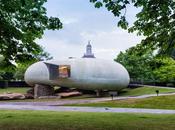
{"x":88,"y":73}
{"x":85,"y":73}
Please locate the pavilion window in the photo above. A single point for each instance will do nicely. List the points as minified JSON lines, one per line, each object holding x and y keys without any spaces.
{"x":64,"y":71}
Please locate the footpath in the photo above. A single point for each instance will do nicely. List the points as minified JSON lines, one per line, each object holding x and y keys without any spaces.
{"x":58,"y":105}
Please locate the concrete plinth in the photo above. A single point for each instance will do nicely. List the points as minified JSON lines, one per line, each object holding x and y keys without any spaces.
{"x":43,"y":90}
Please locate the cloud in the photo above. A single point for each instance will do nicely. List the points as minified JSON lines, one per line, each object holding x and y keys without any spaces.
{"x":83,"y":22}
{"x":69,"y":20}
{"x":108,"y":44}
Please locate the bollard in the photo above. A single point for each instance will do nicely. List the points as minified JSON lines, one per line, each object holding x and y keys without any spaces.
{"x":157,"y":92}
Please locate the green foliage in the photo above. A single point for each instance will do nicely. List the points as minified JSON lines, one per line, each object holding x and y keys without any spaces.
{"x":17,"y":71}
{"x":21,"y":23}
{"x":21,"y":67}
{"x":146,"y":67}
{"x":155,"y":21}
{"x":165,"y":72}
{"x":6,"y":72}
{"x":1,"y":58}
{"x":116,"y":8}
{"x":98,"y":4}
{"x":137,"y":65}
{"x":20,"y":70}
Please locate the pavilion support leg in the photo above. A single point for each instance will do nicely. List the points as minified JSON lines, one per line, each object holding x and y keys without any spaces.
{"x":43,"y":90}
{"x":113,"y":94}
{"x":98,"y":93}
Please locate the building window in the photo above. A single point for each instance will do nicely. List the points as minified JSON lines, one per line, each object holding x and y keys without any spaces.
{"x":64,"y":71}
{"x":58,"y":71}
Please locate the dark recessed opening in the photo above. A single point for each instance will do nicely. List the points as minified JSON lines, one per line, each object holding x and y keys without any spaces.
{"x":58,"y":71}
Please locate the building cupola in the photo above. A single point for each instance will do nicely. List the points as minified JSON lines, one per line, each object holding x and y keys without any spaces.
{"x":88,"y":53}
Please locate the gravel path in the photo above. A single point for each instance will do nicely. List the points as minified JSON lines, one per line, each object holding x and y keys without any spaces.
{"x":79,"y":101}
{"x":56,"y":105}
{"x":85,"y":109}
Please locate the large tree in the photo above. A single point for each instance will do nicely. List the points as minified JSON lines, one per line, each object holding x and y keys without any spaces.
{"x":148,"y":66}
{"x":140,"y":67}
{"x":165,"y":69}
{"x":155,"y":21}
{"x":21,"y":23}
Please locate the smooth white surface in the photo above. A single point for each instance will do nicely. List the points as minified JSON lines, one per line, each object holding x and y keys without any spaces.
{"x":36,"y":73}
{"x":86,"y":73}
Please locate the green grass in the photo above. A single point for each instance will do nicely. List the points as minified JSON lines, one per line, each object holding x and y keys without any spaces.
{"x":158,"y":102}
{"x":145,"y":90}
{"x":14,"y":90}
{"x":44,"y":120}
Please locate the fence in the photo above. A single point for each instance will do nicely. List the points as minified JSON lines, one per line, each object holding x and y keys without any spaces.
{"x":4,"y":84}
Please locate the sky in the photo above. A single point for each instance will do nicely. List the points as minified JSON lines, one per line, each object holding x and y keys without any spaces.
{"x":83,"y":22}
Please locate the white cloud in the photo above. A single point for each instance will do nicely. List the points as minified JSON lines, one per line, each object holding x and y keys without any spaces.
{"x":69,"y":20}
{"x":108,"y":44}
{"x":83,"y":23}
{"x":105,"y":45}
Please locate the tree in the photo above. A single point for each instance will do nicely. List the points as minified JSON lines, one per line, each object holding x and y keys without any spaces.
{"x":155,"y":21}
{"x":138,"y":66}
{"x":165,"y":69}
{"x":147,"y":67}
{"x":21,"y":23}
{"x":19,"y":71}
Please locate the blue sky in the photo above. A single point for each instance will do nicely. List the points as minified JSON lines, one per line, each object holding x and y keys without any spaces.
{"x":82,"y":22}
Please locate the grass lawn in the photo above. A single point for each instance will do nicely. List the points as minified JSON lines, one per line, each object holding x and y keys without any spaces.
{"x":44,"y":120}
{"x":158,"y":102}
{"x":14,"y":90}
{"x":145,"y":90}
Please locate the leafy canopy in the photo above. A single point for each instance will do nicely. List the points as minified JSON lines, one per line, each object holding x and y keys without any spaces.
{"x":155,"y":21}
{"x":147,"y":67}
{"x":138,"y":66}
{"x":21,"y":23}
